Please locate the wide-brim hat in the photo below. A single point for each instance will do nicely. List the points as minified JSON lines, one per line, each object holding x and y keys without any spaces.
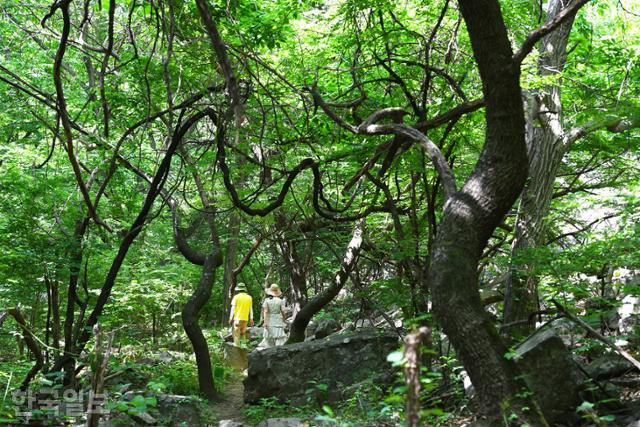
{"x":241,"y":287}
{"x":273,"y":290}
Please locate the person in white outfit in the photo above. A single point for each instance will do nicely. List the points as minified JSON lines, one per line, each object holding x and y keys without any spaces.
{"x":274,"y":318}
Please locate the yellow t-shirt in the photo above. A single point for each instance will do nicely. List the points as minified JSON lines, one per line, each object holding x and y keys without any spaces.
{"x":241,"y":306}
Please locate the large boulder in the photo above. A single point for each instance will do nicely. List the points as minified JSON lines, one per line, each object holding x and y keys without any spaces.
{"x":608,"y":366}
{"x":170,"y":409}
{"x":552,"y":375}
{"x":319,"y":369}
{"x":326,"y":327}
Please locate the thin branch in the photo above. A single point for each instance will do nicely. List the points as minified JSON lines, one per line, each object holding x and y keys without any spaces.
{"x":247,"y":257}
{"x":30,"y":339}
{"x":432,"y":150}
{"x":223,"y":58}
{"x":369,"y":127}
{"x":533,"y":37}
{"x":62,"y":107}
{"x":615,"y":124}
{"x":582,"y":229}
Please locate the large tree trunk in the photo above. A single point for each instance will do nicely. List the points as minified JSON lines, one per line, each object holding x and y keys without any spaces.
{"x":190,"y":315}
{"x":545,"y":150}
{"x":472,"y":214}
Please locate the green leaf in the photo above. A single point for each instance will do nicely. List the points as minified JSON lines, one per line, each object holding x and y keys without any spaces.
{"x":585,"y":406}
{"x":327,"y":409}
{"x":138,"y":401}
{"x":396,"y":358}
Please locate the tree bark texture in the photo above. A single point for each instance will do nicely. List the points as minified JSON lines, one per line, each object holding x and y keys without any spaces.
{"x":544,"y":137}
{"x":412,"y":355}
{"x":293,"y":266}
{"x":99,"y":370}
{"x":471,"y":215}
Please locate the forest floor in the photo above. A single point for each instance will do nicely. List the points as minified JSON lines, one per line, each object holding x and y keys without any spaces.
{"x":230,"y":408}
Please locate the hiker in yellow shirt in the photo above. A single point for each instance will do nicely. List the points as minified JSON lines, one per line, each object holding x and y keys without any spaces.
{"x":241,"y":314}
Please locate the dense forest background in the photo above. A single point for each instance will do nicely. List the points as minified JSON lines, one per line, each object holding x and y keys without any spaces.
{"x":466,"y":171}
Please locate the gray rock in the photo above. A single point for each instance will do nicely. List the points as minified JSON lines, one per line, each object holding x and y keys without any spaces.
{"x":178,"y":410}
{"x":144,"y":418}
{"x":135,"y":378}
{"x":568,"y":331}
{"x":349,"y":326}
{"x":392,"y":319}
{"x":158,"y":357}
{"x":469,"y":389}
{"x":319,"y":369}
{"x":230,"y":423}
{"x":281,"y":422}
{"x":255,"y":332}
{"x":608,"y":366}
{"x":171,"y":399}
{"x":326,"y":327}
{"x":116,"y":421}
{"x":164,"y":356}
{"x":310,"y":332}
{"x":171,"y":409}
{"x":551,"y":374}
{"x":364,"y":323}
{"x":236,"y":357}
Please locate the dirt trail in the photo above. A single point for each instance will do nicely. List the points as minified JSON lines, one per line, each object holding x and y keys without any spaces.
{"x":233,"y":401}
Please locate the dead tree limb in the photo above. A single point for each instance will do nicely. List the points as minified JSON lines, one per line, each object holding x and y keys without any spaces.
{"x":597,"y":335}
{"x":412,"y":343}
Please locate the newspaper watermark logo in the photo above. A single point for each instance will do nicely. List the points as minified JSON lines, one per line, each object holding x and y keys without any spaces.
{"x":56,"y":403}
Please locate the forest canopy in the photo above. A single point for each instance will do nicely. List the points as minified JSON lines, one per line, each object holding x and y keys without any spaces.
{"x":465,"y":171}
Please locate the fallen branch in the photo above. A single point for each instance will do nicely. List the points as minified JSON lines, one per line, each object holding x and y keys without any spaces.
{"x":597,"y":335}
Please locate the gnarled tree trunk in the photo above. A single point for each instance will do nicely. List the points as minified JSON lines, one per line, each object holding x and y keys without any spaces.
{"x":190,"y":316}
{"x":299,"y":325}
{"x":472,"y":214}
